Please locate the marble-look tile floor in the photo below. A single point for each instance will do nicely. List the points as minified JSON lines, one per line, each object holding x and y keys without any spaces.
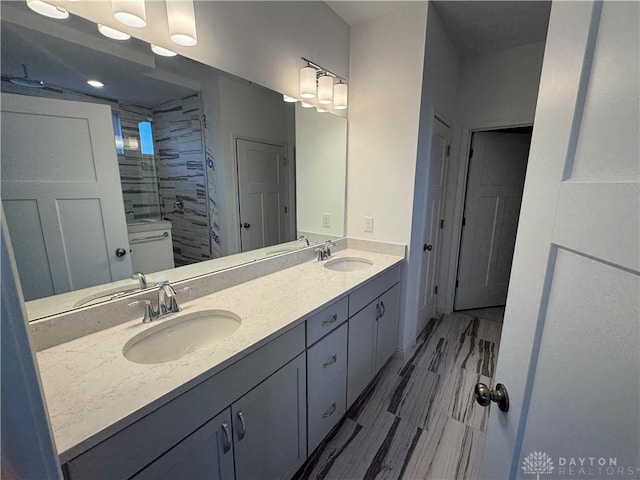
{"x":419,"y":420}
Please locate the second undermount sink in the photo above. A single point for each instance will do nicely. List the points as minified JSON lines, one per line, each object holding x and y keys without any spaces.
{"x":348,"y":264}
{"x":180,"y":336}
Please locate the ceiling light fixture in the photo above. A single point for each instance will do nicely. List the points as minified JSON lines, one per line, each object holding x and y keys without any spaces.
{"x":130,"y":12}
{"x":95,"y":83}
{"x":314,"y":76}
{"x":113,"y":33}
{"x":47,"y":9}
{"x":164,"y":52}
{"x":182,"y":22}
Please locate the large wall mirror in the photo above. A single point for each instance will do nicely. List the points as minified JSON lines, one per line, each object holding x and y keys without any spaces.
{"x":171,"y":168}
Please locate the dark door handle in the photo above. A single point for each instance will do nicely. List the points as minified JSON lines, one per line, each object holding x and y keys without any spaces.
{"x":120,"y":252}
{"x":246,"y":225}
{"x":484,"y":396}
{"x":427,"y":247}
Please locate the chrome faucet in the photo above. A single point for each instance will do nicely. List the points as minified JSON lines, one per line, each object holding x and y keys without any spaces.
{"x":303,"y":238}
{"x":141,"y":278}
{"x":324,"y":252}
{"x":167,"y":303}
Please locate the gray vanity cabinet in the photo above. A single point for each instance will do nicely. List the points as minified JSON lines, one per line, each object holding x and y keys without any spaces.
{"x":373,"y":325}
{"x":205,"y":454}
{"x":269,"y":425}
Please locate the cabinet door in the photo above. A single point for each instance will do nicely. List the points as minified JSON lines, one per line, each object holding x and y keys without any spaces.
{"x":205,"y":454}
{"x":269,"y":429}
{"x":387,"y":325}
{"x":360,"y":355}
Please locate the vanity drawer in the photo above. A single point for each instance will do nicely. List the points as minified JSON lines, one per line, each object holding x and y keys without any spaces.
{"x":326,"y":408}
{"x":326,"y":320}
{"x":373,"y":289}
{"x":327,"y":358}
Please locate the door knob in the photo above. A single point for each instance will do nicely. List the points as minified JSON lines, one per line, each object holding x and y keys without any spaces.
{"x":246,"y":225}
{"x":120,"y":252}
{"x":484,"y":396}
{"x":427,"y":247}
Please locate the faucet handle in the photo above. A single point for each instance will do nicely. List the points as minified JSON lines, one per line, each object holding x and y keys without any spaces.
{"x":149,"y":313}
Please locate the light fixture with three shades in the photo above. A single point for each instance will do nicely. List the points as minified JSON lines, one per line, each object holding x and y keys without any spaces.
{"x":328,"y":87}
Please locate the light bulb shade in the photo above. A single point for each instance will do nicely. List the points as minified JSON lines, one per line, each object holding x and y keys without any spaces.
{"x":325,"y":90}
{"x":130,"y":12}
{"x":164,"y":52}
{"x":321,"y":110}
{"x":306,"y":105}
{"x":340,"y":94}
{"x":182,"y":22}
{"x":289,"y":99}
{"x":308,"y":82}
{"x":113,"y":33}
{"x":47,"y":9}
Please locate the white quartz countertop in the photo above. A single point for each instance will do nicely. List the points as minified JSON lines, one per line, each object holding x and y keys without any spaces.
{"x":92,"y":391}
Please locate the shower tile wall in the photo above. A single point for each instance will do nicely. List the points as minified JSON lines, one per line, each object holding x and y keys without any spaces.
{"x":181,"y":161}
{"x":137,"y":171}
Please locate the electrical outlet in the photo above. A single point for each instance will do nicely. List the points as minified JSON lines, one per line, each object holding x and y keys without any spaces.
{"x":326,"y":220}
{"x":368,"y":224}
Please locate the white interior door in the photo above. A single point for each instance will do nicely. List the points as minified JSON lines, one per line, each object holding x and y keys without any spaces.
{"x":61,"y":194}
{"x":262,"y":192}
{"x":570,"y":347}
{"x":435,"y":214}
{"x":495,"y":181}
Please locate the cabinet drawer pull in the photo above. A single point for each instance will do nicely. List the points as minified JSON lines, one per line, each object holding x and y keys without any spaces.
{"x":383,"y":308}
{"x":227,"y":443}
{"x":243,"y":427}
{"x":331,"y":361}
{"x":334,"y":318}
{"x":329,"y":412}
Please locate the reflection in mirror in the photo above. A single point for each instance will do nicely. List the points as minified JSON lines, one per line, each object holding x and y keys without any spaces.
{"x":172,"y":168}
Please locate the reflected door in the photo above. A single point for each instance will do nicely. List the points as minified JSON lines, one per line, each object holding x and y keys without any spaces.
{"x":262,"y":191}
{"x":61,"y":195}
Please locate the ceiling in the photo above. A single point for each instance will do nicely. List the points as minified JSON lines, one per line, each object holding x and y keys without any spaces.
{"x":475,"y":27}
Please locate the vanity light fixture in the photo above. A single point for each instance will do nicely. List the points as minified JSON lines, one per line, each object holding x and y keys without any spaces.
{"x":182,"y":22}
{"x":325,"y":89}
{"x":306,"y":105}
{"x":289,"y":99}
{"x":164,"y":52}
{"x":130,"y":12}
{"x":113,"y":33}
{"x":315,"y":75}
{"x":308,"y":82}
{"x":340,"y":95}
{"x":95,"y":83}
{"x":47,"y":9}
{"x":321,"y":109}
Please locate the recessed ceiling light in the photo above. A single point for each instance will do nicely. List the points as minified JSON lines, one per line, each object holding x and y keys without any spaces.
{"x":165,"y":52}
{"x":95,"y":83}
{"x":47,"y":9}
{"x":113,"y":33}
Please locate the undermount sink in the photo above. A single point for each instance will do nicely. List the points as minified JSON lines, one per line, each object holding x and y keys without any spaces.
{"x":348,"y":264}
{"x":104,"y":295}
{"x":180,"y":336}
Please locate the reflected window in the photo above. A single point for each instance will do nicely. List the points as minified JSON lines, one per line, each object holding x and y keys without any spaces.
{"x":117,"y":132}
{"x":146,"y":138}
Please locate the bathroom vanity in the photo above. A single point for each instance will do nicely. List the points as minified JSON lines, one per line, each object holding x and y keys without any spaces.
{"x":254,"y":405}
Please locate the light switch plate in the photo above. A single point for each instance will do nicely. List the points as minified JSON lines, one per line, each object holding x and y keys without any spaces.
{"x":326,"y":220}
{"x":368,"y":224}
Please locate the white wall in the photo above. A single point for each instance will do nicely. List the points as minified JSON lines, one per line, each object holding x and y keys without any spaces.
{"x":495,"y":90}
{"x":321,"y":146}
{"x":386,"y":79}
{"x":441,"y":72}
{"x":259,"y":41}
